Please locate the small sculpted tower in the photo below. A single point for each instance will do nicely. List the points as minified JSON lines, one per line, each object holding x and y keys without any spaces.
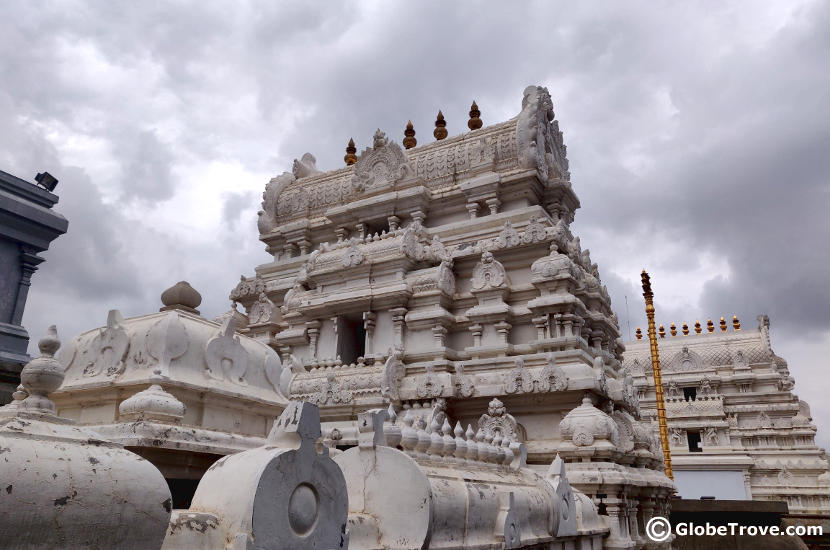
{"x":445,"y":280}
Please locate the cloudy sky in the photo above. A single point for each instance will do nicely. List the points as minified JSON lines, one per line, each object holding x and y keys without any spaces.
{"x":698,"y":136}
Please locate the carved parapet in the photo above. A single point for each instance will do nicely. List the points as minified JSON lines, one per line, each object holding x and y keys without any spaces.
{"x":286,"y":494}
{"x":454,"y":490}
{"x":706,"y":406}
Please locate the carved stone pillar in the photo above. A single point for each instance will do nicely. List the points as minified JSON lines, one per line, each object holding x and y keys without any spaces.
{"x":476,"y":329}
{"x":288,"y":250}
{"x":748,"y":485}
{"x":439,"y":333}
{"x":394,"y":223}
{"x":556,"y":330}
{"x":341,"y":233}
{"x":369,"y":325}
{"x":418,"y":217}
{"x":472,"y":208}
{"x":398,"y":321}
{"x":304,"y":245}
{"x":493,"y":204}
{"x":618,"y":537}
{"x":360,"y":230}
{"x":503,"y":328}
{"x":541,"y":324}
{"x":633,"y":528}
{"x":313,"y":329}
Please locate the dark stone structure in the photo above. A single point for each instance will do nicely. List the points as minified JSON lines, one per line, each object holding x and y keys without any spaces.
{"x":27,"y":226}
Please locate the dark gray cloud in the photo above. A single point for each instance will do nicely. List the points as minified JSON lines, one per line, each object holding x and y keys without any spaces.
{"x":697,"y":137}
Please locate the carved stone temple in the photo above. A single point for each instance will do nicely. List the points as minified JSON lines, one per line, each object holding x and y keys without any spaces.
{"x":430,"y":360}
{"x":736,"y":429}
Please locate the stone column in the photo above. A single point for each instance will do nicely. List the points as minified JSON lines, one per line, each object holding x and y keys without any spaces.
{"x":439,"y":332}
{"x":369,"y":325}
{"x":493,"y":204}
{"x":503,"y":328}
{"x":541,"y":324}
{"x":341,"y":233}
{"x":394,"y":223}
{"x":476,"y":329}
{"x":398,"y":321}
{"x":633,"y":528}
{"x":313,"y":329}
{"x":748,"y":484}
{"x":360,"y":230}
{"x":472,"y":208}
{"x":304,"y":245}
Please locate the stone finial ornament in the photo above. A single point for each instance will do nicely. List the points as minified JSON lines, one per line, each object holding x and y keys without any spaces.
{"x":181,"y":296}
{"x":41,"y":376}
{"x":409,"y":140}
{"x":351,"y":156}
{"x":475,"y":117}
{"x":440,"y":131}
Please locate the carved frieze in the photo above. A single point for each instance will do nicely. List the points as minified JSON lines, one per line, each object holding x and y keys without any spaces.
{"x":429,"y":385}
{"x":331,"y":393}
{"x":166,"y":340}
{"x":261,"y":311}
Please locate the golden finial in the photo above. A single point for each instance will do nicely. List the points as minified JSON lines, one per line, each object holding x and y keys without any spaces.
{"x":722,"y":325}
{"x":350,"y":157}
{"x":440,"y":131}
{"x":685,"y":329}
{"x":662,"y":332}
{"x":698,"y":329}
{"x":673,"y":330}
{"x":710,"y":326}
{"x":409,"y":140}
{"x":735,"y":323}
{"x":639,"y":333}
{"x":475,"y":117}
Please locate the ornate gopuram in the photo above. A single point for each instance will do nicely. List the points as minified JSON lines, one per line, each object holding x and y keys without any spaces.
{"x":443,"y":280}
{"x":736,"y":429}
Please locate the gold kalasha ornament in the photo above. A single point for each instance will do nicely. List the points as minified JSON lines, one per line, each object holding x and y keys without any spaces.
{"x":685,"y":329}
{"x":639,"y":334}
{"x":658,"y":379}
{"x":710,"y":326}
{"x":698,"y":328}
{"x":409,"y":140}
{"x":673,"y":329}
{"x":736,"y":325}
{"x":662,"y":332}
{"x":475,"y":117}
{"x":350,"y":157}
{"x":440,"y":131}
{"x":722,"y":325}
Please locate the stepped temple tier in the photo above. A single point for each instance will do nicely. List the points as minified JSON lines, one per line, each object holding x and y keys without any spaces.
{"x":430,"y":360}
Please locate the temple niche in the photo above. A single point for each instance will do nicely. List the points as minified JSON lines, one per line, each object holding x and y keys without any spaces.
{"x":737,"y":430}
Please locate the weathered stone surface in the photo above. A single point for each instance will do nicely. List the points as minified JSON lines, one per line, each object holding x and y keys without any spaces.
{"x":286,"y":494}
{"x":64,"y":486}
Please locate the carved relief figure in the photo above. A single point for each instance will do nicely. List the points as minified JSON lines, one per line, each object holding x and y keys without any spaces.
{"x":488,"y":273}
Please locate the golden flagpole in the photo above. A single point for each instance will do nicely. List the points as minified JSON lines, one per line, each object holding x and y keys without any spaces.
{"x":658,"y":379}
